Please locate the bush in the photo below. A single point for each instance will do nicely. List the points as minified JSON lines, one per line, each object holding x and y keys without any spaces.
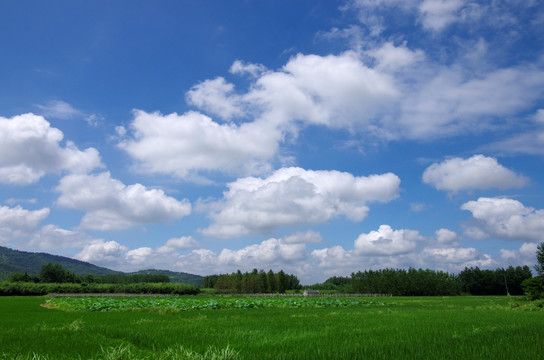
{"x":533,"y":288}
{"x":29,"y":288}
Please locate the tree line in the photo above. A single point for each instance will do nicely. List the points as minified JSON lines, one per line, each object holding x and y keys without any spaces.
{"x":255,"y":282}
{"x":426,"y":282}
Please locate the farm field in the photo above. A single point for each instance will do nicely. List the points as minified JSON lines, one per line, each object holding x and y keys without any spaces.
{"x":273,"y":328}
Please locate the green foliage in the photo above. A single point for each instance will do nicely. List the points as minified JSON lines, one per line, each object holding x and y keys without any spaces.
{"x":533,"y":288}
{"x":26,"y":289}
{"x":494,"y":282}
{"x":410,"y":282}
{"x":202,"y":303}
{"x":256,"y":282}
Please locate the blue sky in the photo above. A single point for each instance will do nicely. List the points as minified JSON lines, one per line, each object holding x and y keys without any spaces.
{"x":318,"y":137}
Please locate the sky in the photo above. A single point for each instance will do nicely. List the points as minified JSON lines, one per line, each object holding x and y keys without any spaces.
{"x":318,"y":137}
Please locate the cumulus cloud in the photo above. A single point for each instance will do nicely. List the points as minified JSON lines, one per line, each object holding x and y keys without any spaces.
{"x":386,"y":242}
{"x":338,"y":91}
{"x":477,"y":172}
{"x":503,"y":218}
{"x":112,"y":205}
{"x":387,"y":247}
{"x":216,"y":97}
{"x":294,"y":196}
{"x":104,"y":253}
{"x":182,"y":145}
{"x":16,"y":221}
{"x":175,"y":244}
{"x":525,"y":255}
{"x":30,"y":148}
{"x":446,"y":237}
{"x":271,"y":253}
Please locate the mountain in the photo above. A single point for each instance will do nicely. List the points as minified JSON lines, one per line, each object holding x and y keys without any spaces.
{"x":12,"y":261}
{"x":22,"y":261}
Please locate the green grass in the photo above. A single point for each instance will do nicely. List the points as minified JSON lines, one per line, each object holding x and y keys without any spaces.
{"x":409,"y":328}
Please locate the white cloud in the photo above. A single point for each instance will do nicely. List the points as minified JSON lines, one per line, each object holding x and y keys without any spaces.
{"x":16,"y":221}
{"x":338,"y":91}
{"x":445,"y":236}
{"x":52,"y":237}
{"x":308,"y":237}
{"x":477,"y":172}
{"x":294,"y":196}
{"x":181,"y":243}
{"x":525,"y":255}
{"x":181,"y":145}
{"x":269,"y":252}
{"x":111,"y":205}
{"x":138,"y":256}
{"x":30,"y":148}
{"x":58,"y":109}
{"x":216,"y":97}
{"x":437,"y":14}
{"x":104,"y":253}
{"x":451,"y":101}
{"x":386,"y":242}
{"x":239,"y":67}
{"x":393,"y":58}
{"x":504,"y":218}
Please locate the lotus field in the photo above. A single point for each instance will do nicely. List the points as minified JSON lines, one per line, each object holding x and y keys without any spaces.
{"x":200,"y":303}
{"x":214,"y":327}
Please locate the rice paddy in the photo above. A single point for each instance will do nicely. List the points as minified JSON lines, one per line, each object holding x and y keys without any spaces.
{"x":322,"y":328}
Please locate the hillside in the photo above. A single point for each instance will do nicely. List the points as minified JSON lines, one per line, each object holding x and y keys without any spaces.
{"x":12,"y":261}
{"x":177,"y":277}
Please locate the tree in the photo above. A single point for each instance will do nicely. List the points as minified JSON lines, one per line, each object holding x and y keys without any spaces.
{"x":55,"y":273}
{"x":540,"y":259}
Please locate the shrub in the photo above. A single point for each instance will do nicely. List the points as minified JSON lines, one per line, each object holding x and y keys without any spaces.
{"x":533,"y":288}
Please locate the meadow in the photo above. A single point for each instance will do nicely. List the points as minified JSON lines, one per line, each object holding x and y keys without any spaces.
{"x":211,"y":327}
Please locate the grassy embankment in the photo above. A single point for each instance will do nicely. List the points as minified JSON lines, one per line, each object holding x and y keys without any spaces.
{"x":406,"y":328}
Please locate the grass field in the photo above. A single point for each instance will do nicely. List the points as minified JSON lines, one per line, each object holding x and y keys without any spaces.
{"x":403,"y":328}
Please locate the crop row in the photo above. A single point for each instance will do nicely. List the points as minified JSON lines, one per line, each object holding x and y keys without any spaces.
{"x":198,"y":303}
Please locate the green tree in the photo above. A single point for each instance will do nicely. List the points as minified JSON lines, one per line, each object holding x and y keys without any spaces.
{"x":55,"y":273}
{"x":539,"y":267}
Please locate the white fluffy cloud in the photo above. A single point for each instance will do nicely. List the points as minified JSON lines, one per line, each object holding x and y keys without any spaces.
{"x":30,"y":148}
{"x":335,"y":91}
{"x":111,"y":205}
{"x":386,"y":242}
{"x":294,"y":196}
{"x":182,"y":145}
{"x":104,"y":253}
{"x":216,"y":97}
{"x":175,"y":244}
{"x":477,"y":172}
{"x":17,"y":222}
{"x":504,"y":218}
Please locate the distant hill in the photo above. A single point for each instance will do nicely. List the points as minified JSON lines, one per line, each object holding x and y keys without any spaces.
{"x":12,"y":261}
{"x":22,"y":261}
{"x":177,"y":277}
